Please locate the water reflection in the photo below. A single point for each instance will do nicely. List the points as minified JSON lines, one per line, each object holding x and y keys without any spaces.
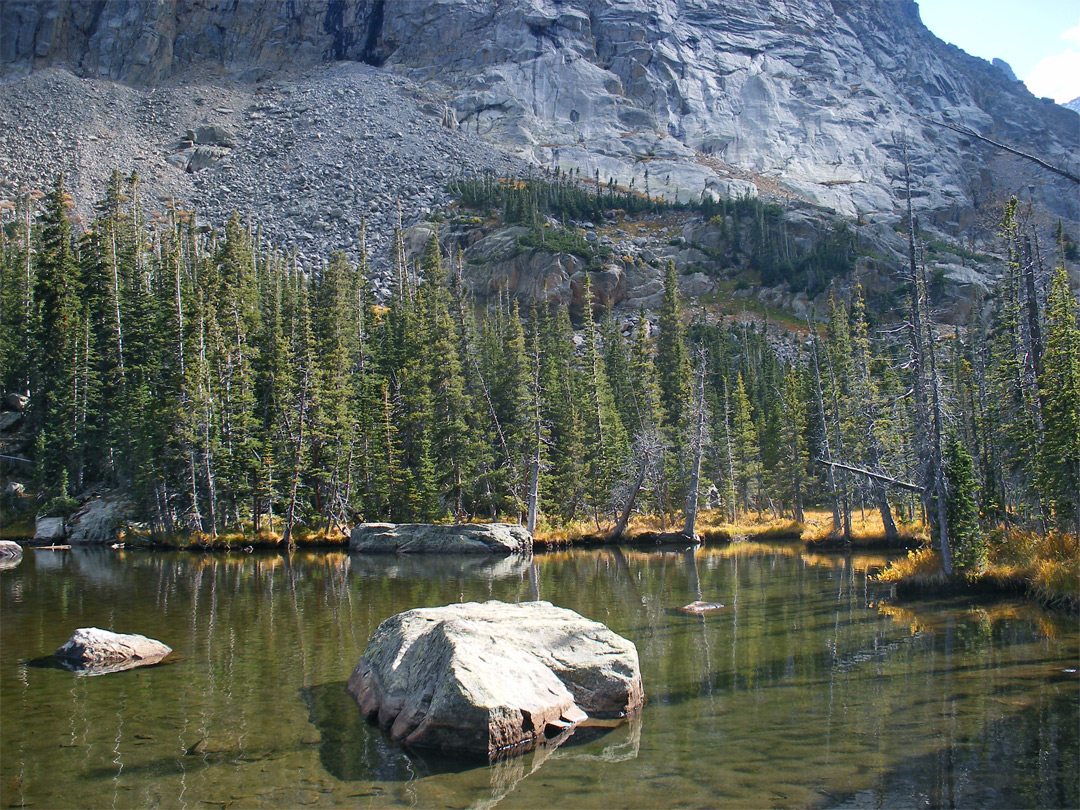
{"x":441,"y":566}
{"x":805,"y":690}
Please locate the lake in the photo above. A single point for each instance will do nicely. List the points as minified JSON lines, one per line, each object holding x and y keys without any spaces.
{"x":804,"y":691}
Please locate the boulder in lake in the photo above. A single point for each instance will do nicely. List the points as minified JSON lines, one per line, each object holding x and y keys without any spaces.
{"x":97,"y":651}
{"x":430,"y":538}
{"x":491,"y":679}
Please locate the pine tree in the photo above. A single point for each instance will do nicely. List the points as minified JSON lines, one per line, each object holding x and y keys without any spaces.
{"x":332,"y":432}
{"x":56,"y":327}
{"x":962,"y":508}
{"x":603,"y":438}
{"x":562,"y":484}
{"x":748,"y":468}
{"x":1060,"y":388}
{"x":449,"y":406}
{"x":673,"y":366}
{"x":794,"y":457}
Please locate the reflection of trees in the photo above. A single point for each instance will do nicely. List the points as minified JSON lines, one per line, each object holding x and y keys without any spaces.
{"x":797,"y":669}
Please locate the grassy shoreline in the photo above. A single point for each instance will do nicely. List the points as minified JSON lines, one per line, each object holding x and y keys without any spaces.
{"x":1043,"y":568}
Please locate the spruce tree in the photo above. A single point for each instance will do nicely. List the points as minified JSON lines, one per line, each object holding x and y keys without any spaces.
{"x":1060,"y":388}
{"x":962,"y":507}
{"x":603,"y":437}
{"x":56,"y":326}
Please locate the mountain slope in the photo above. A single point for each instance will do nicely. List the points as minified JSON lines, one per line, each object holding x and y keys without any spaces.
{"x":807,"y":101}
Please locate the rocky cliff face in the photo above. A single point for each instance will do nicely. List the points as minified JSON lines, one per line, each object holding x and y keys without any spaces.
{"x":318,"y":115}
{"x":809,"y":96}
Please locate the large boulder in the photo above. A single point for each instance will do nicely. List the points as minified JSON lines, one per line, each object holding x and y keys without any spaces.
{"x":491,"y":679}
{"x":100,"y":519}
{"x":97,"y":651}
{"x":430,"y":538}
{"x":49,"y":530}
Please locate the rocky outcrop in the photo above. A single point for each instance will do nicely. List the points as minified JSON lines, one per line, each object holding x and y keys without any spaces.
{"x":100,"y":519}
{"x":430,"y":538}
{"x":96,"y":652}
{"x":493,"y":678}
{"x":49,"y":530}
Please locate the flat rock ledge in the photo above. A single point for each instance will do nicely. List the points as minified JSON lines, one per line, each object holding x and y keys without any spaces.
{"x":96,"y":652}
{"x":432,"y":538}
{"x":493,"y":679}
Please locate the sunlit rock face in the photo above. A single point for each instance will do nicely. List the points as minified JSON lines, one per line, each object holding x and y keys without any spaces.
{"x":805,"y":97}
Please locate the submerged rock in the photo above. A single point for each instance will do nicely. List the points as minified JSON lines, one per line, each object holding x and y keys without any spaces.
{"x":429,"y":538}
{"x":696,"y":608}
{"x":10,"y":554}
{"x":96,"y":652}
{"x":491,"y":679}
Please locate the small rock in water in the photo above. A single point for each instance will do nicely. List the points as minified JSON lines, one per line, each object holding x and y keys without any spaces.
{"x":96,"y":652}
{"x":696,"y":608}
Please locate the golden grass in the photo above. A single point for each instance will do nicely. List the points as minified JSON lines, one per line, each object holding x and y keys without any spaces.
{"x":922,"y":566}
{"x":871,"y":529}
{"x":1046,"y":565}
{"x":710,"y":523}
{"x":237,"y":539}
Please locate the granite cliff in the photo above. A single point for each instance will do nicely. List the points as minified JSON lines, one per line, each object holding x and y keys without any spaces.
{"x":800,"y":100}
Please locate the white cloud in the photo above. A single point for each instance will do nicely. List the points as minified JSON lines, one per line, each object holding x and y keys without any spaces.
{"x":1057,"y":76}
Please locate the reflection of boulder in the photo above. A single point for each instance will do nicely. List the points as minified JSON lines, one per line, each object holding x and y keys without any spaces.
{"x":349,"y":748}
{"x":10,"y":554}
{"x":493,"y":679}
{"x":96,"y":652}
{"x":431,"y":538}
{"x":441,"y":567}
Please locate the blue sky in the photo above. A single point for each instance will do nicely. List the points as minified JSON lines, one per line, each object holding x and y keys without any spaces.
{"x":1040,"y":39}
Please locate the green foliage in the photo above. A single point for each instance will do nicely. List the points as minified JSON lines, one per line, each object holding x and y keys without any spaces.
{"x":962,"y":508}
{"x":225,"y":386}
{"x":1059,"y":387}
{"x":566,"y":240}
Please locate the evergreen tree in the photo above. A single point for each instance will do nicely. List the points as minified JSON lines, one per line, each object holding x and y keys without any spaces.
{"x":603,"y":438}
{"x":56,"y":327}
{"x":962,"y":509}
{"x":1060,"y":389}
{"x":747,"y":464}
{"x":672,"y":361}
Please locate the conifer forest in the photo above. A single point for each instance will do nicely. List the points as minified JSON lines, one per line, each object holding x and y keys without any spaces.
{"x":226,"y":387}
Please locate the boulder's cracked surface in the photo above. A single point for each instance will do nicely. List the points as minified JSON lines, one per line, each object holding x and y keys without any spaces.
{"x":488,"y":679}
